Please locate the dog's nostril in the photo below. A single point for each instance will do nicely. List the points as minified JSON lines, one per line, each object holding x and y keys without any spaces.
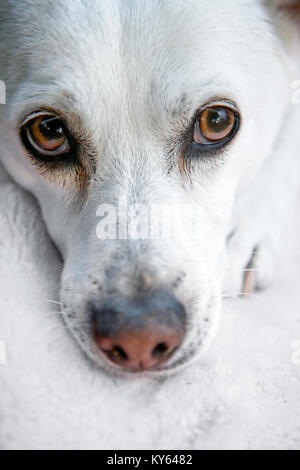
{"x":117,"y":354}
{"x":161,"y":350}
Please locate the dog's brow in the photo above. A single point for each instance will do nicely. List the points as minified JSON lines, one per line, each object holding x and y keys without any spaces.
{"x":187,"y":102}
{"x":36,"y":98}
{"x":181,"y":105}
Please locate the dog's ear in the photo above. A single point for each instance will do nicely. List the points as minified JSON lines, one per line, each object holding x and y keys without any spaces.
{"x":291,"y":8}
{"x":288,"y":8}
{"x":285,"y":15}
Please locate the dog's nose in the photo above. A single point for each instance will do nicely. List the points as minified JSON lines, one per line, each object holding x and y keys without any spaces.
{"x":142,"y":334}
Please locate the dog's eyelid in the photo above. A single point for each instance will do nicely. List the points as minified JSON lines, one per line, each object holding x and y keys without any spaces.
{"x":36,"y":115}
{"x":219,"y":102}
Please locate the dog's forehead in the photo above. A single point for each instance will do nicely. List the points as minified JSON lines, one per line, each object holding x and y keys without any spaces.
{"x":107,"y":52}
{"x":130,"y":35}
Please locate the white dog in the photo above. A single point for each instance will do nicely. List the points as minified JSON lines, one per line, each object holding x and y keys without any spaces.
{"x":187,"y":103}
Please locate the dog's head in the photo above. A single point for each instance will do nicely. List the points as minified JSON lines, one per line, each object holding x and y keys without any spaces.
{"x":123,"y":113}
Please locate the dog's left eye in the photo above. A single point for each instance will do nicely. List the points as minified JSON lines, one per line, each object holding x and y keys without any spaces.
{"x":215,"y":125}
{"x":46,"y":135}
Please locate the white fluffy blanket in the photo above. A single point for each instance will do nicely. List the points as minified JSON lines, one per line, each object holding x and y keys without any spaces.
{"x":245,"y":394}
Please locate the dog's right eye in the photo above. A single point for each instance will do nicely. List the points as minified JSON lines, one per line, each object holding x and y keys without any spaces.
{"x":46,"y":136}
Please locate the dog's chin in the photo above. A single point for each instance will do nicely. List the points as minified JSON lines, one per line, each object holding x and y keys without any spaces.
{"x":193,"y":348}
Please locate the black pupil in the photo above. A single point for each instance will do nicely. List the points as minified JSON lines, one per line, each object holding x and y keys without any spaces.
{"x":52,"y":128}
{"x":218,"y":119}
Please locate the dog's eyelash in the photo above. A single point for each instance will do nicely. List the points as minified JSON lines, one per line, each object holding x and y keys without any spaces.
{"x":50,"y":165}
{"x":189,"y":155}
{"x":209,"y":162}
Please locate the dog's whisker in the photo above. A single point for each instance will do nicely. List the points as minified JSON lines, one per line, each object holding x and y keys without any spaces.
{"x":55,"y":302}
{"x":246,"y":270}
{"x":249,"y":270}
{"x":237,"y":295}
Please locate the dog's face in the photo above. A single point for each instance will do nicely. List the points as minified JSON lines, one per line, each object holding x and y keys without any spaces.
{"x":142,"y":102}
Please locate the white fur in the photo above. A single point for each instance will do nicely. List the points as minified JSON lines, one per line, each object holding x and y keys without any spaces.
{"x":244,"y":394}
{"x":125,"y":74}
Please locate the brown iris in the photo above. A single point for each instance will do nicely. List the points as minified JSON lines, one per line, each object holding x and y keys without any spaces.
{"x":215,"y":124}
{"x":47,"y":135}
